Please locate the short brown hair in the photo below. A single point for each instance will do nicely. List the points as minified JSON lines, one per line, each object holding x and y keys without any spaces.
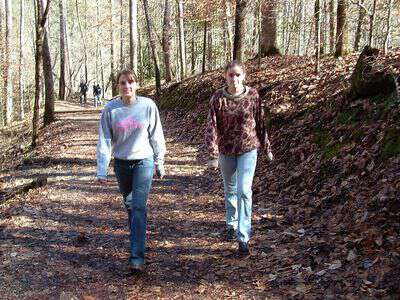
{"x":235,"y":63}
{"x":128,"y":73}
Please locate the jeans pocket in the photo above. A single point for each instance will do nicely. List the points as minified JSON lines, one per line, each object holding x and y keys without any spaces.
{"x":147,"y":162}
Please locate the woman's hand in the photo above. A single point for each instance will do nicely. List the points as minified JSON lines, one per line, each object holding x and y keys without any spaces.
{"x":213,"y":164}
{"x":270,"y":156}
{"x":160,"y":171}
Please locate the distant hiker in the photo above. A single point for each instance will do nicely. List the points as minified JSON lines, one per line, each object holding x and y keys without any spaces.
{"x":235,"y":130}
{"x":97,"y":95}
{"x":82,"y":92}
{"x":130,"y":128}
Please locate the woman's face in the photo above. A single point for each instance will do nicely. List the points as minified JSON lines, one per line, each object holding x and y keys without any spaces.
{"x":235,"y":77}
{"x":127,"y":87}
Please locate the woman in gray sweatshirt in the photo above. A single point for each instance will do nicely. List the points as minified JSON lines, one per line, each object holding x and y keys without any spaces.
{"x":130,"y":129}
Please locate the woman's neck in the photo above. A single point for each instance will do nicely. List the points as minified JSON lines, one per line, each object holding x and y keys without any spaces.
{"x":234,"y":91}
{"x":128,"y":100}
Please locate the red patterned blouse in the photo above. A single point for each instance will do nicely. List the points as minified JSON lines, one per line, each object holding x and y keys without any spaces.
{"x":236,"y":124}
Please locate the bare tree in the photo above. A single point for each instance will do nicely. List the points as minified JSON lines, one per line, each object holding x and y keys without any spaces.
{"x":332,"y":39}
{"x":182,"y":49}
{"x":317,"y":17}
{"x":167,"y":39}
{"x":7,"y":71}
{"x":112,"y":72}
{"x":203,"y":68}
{"x":388,"y":25}
{"x":228,"y":29}
{"x":40,"y":24}
{"x":48,"y":77}
{"x":21,"y":60}
{"x":153,"y":45}
{"x":61,"y":91}
{"x":269,"y":28}
{"x":133,"y":36}
{"x":341,"y":32}
{"x":240,"y":29}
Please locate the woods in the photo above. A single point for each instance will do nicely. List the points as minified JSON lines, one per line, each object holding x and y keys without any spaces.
{"x":185,"y":34}
{"x":311,"y":103}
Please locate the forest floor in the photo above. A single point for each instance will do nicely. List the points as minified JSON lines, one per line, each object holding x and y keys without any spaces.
{"x":325,"y":216}
{"x":69,"y":238}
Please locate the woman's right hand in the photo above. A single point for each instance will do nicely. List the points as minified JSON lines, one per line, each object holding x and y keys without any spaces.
{"x":213,"y":164}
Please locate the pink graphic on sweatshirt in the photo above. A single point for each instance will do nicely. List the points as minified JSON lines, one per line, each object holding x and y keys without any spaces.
{"x":129,"y":123}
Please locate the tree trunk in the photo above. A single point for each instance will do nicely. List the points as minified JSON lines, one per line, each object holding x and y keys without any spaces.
{"x":112,"y":72}
{"x":83,"y":38}
{"x":228,"y":29}
{"x":41,"y":21}
{"x":210,"y":56}
{"x":269,"y":29}
{"x":153,"y":46}
{"x":194,"y":34}
{"x":21,"y":61}
{"x":388,"y":26}
{"x":61,"y":92}
{"x":240,"y":29}
{"x":342,"y":32}
{"x":7,"y":72}
{"x":48,"y":78}
{"x":121,"y":38}
{"x":317,"y":17}
{"x":182,"y":40}
{"x":332,"y":41}
{"x":203,"y":68}
{"x":371,"y":24}
{"x":167,"y":40}
{"x":133,"y":36}
{"x":361,"y":15}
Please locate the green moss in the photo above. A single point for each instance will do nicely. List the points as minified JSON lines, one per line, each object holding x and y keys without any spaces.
{"x":391,"y":143}
{"x":350,"y":115}
{"x":322,"y":138}
{"x":331,"y":151}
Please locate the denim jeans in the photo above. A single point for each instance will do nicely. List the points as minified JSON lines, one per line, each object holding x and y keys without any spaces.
{"x":134,"y":180}
{"x":238,"y":172}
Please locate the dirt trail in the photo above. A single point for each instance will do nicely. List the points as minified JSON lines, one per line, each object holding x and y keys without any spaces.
{"x":69,"y":239}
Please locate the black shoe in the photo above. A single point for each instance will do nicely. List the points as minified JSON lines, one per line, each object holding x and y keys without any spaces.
{"x":230,"y":235}
{"x":136,"y":268}
{"x":244,"y":248}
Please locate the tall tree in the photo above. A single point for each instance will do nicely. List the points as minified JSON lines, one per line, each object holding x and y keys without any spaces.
{"x":84,"y":41}
{"x":7,"y":71}
{"x":228,"y":29}
{"x":112,"y":72}
{"x":40,"y":24}
{"x":133,"y":36}
{"x":269,"y":28}
{"x":167,"y":39}
{"x":21,"y":61}
{"x":203,"y":66}
{"x":342,"y":31}
{"x":388,"y":25}
{"x":317,"y":17}
{"x":121,"y":33}
{"x":153,"y":47}
{"x":240,"y":29}
{"x":48,"y":77}
{"x":182,"y":48}
{"x":361,"y":16}
{"x":61,"y":91}
{"x":332,"y":39}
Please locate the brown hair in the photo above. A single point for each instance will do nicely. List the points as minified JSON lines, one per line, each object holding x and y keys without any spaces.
{"x":128,"y":73}
{"x":235,"y":63}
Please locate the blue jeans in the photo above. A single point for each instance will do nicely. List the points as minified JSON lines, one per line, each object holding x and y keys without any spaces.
{"x":238,"y":172}
{"x":134,"y":180}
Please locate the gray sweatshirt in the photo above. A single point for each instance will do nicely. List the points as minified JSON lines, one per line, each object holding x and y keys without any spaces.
{"x":129,"y":132}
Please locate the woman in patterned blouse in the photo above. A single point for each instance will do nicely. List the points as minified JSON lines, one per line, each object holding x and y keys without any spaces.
{"x":235,"y":130}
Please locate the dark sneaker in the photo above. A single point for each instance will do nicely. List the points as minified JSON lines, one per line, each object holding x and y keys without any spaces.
{"x":136,"y":268}
{"x":230,"y":234}
{"x":244,"y":248}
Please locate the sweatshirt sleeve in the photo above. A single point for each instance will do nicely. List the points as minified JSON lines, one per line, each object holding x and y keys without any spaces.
{"x":261,"y":127}
{"x":156,"y":136}
{"x":211,"y":134}
{"x":104,"y":145}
